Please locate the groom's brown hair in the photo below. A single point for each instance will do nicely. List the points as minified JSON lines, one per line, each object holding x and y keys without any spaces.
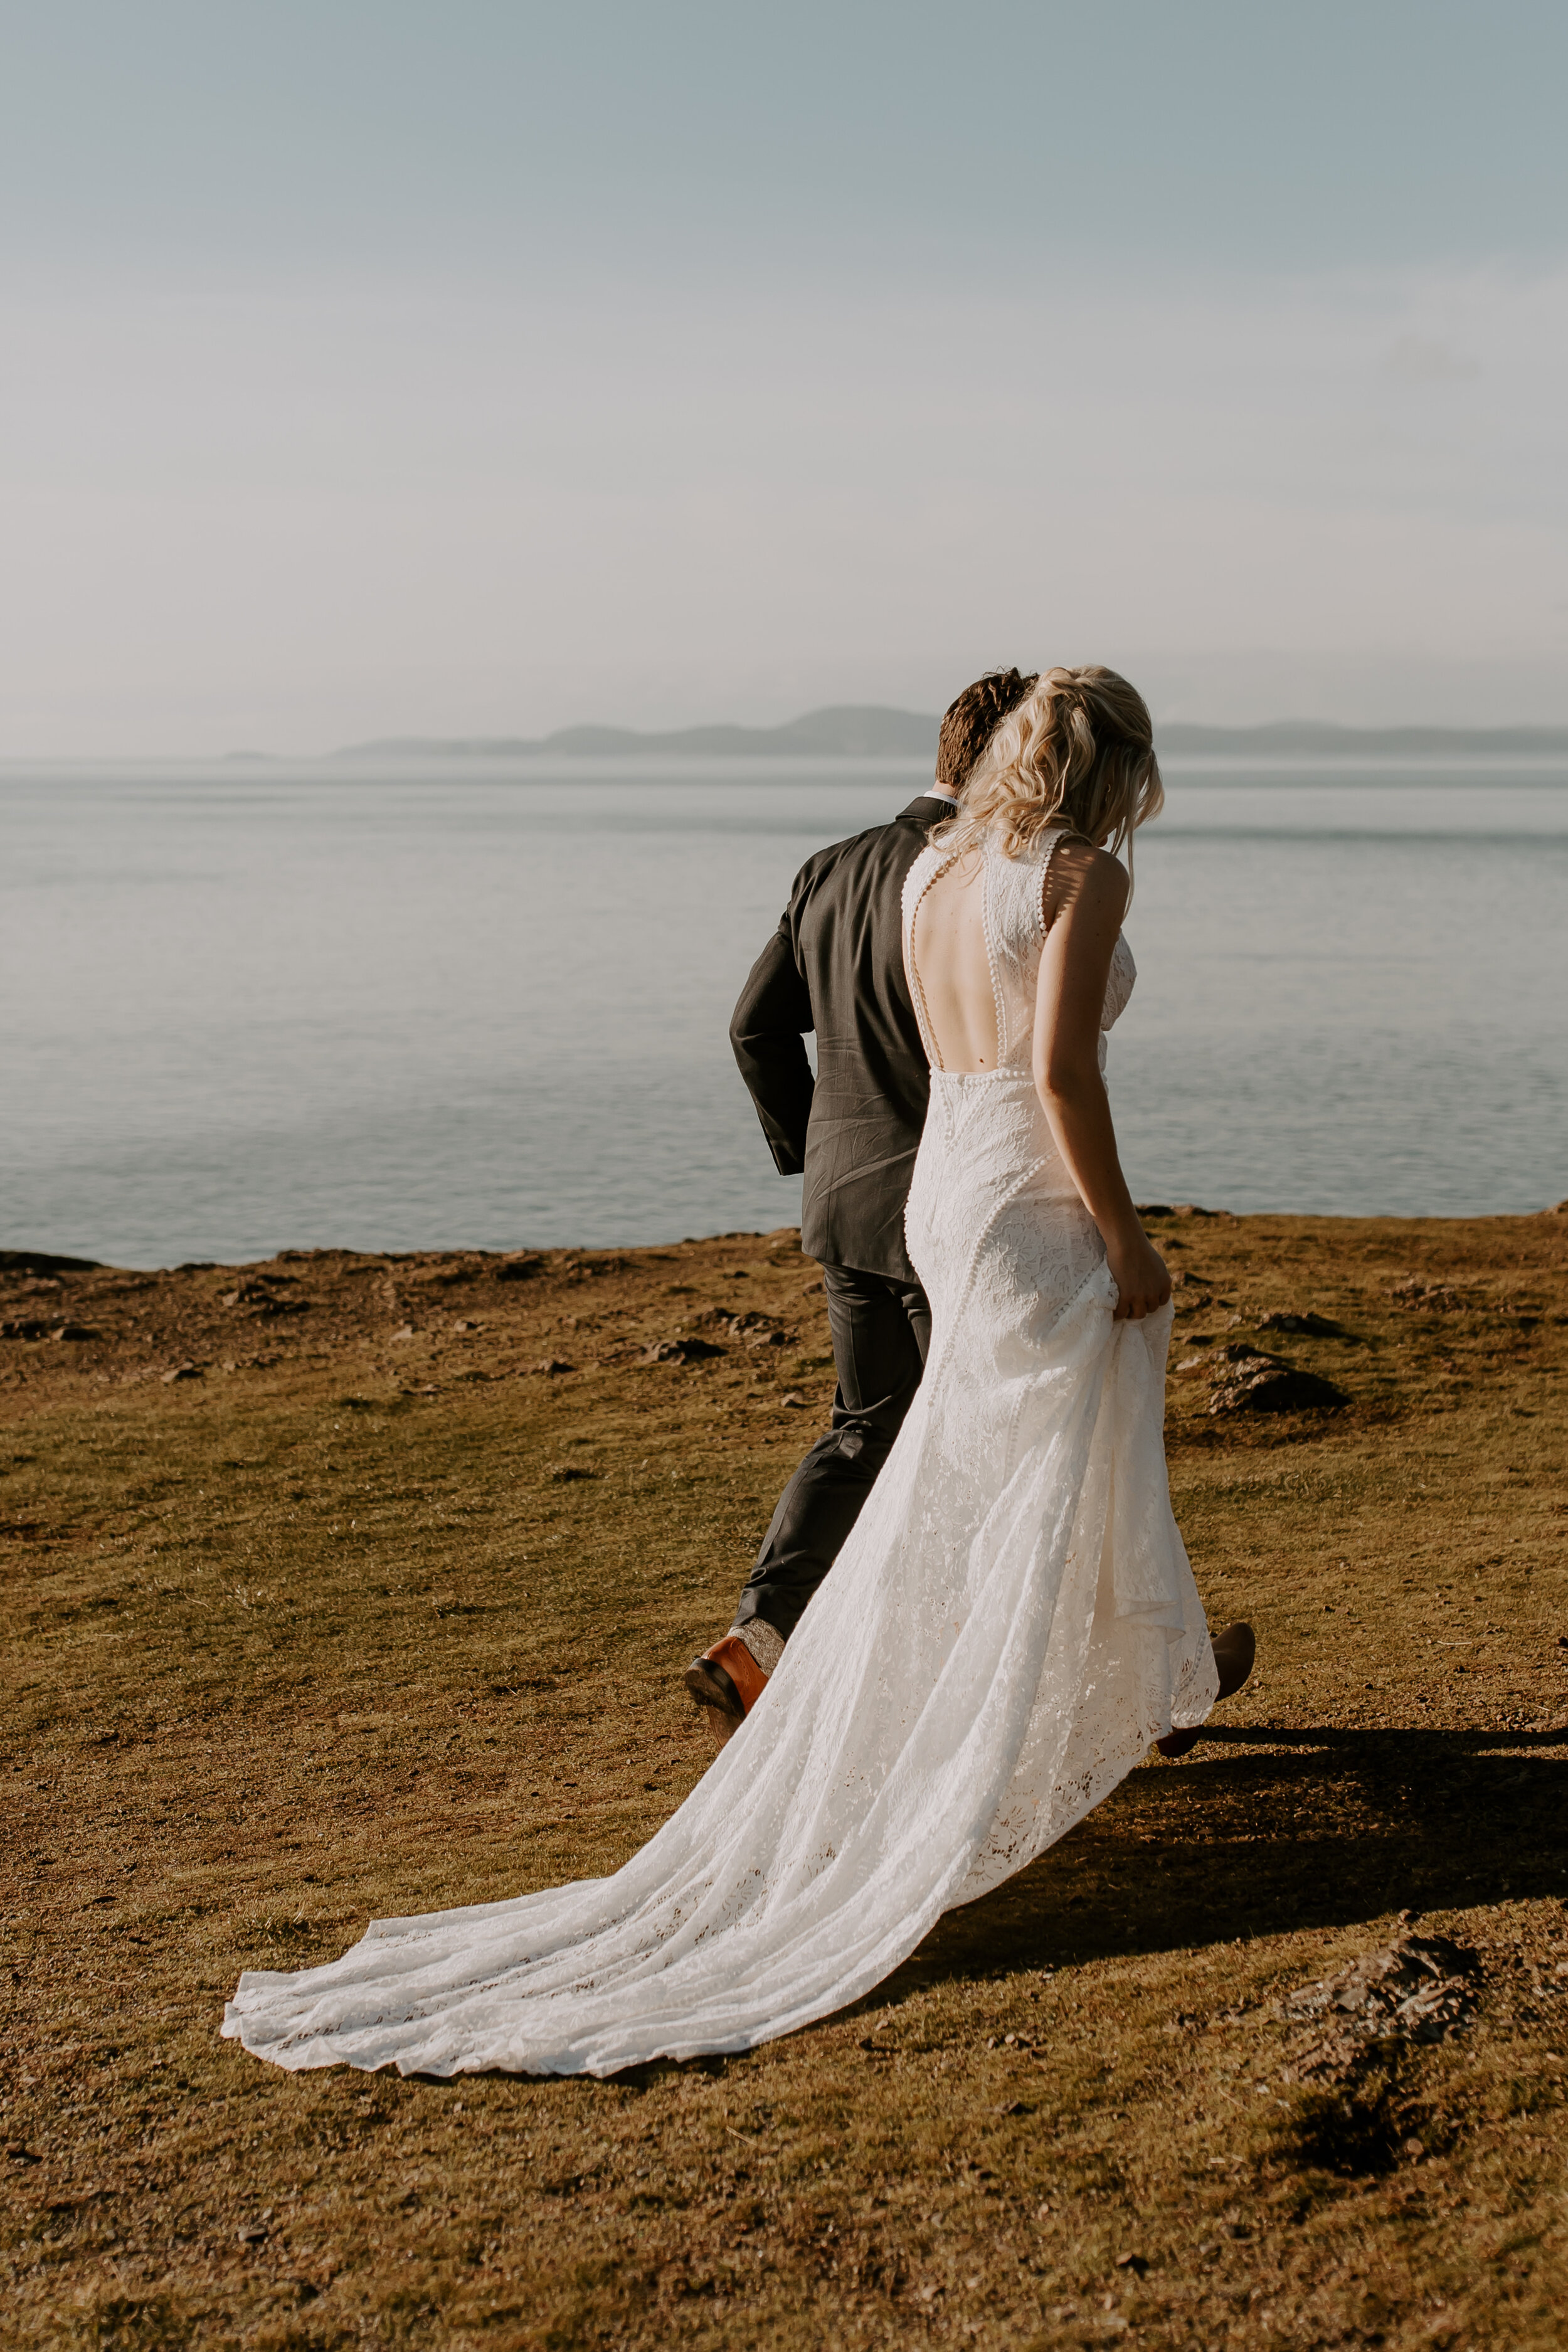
{"x":969,"y":723}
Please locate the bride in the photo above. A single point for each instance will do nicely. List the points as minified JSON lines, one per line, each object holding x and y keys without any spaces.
{"x":1012,"y":1621}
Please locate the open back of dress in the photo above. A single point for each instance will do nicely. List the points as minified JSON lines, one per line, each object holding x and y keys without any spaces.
{"x":974,"y":978}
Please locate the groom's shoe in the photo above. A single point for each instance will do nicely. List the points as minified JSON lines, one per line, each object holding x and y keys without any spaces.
{"x":1235,"y":1652}
{"x":726,"y":1682}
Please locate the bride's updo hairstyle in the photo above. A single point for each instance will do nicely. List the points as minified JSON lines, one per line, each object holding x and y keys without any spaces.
{"x":1079,"y":750}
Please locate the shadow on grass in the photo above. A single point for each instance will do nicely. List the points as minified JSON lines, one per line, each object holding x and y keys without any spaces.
{"x":1323,"y":1829}
{"x":1327,"y":1828}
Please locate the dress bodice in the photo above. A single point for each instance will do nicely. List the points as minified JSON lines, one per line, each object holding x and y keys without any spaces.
{"x":1012,"y":908}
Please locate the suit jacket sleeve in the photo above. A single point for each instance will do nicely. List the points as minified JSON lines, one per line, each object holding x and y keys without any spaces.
{"x":766,"y":1030}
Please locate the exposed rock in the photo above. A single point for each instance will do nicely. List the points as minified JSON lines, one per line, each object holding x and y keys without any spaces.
{"x":181,"y":1372}
{"x":260,"y":1295}
{"x":678,"y":1351}
{"x":755,"y":1330}
{"x":518,"y":1269}
{"x":44,"y":1262}
{"x":1315,"y":1326}
{"x":1435,"y":1297}
{"x":72,"y":1331}
{"x":1417,"y":1988}
{"x":795,"y":1400}
{"x":1264,"y":1383}
{"x":551,"y":1366}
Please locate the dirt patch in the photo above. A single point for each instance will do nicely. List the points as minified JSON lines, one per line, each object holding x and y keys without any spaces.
{"x":1417,"y":1988}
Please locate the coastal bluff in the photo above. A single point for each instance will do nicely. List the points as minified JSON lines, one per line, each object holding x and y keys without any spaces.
{"x":347,"y":1585}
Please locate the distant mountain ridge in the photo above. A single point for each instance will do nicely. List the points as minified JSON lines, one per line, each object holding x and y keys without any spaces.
{"x":1286,"y":736}
{"x":874,"y":731}
{"x":842,"y":730}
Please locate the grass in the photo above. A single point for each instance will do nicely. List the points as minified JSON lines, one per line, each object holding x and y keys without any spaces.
{"x":362,"y":1616}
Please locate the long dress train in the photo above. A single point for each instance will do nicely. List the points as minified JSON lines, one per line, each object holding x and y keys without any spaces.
{"x":1009,"y":1626}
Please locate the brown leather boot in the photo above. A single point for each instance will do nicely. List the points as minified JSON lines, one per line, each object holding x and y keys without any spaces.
{"x":1235,"y":1652}
{"x":726,"y":1683}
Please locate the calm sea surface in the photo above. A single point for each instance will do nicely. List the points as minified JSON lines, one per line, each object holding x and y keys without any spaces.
{"x":252,"y":1006}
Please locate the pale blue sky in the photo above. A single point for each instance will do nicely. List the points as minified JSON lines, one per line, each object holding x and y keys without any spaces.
{"x":456,"y":368}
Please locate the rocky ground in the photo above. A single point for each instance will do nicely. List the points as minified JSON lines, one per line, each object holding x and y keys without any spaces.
{"x":347,"y":1585}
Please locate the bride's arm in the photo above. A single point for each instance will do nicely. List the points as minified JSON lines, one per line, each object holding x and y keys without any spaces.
{"x":1086,"y":897}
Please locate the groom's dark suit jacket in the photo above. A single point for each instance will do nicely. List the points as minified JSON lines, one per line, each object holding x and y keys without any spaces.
{"x":836,"y":964}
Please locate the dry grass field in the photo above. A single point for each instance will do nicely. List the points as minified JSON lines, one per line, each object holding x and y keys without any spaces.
{"x":346,"y":1586}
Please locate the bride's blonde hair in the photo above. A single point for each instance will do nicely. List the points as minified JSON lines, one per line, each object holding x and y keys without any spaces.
{"x":1078,"y":750}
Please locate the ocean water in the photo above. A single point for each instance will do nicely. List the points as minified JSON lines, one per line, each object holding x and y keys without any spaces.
{"x":391,"y":1007}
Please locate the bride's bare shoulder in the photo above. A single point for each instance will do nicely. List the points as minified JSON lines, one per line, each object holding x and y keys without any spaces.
{"x":1087,"y":879}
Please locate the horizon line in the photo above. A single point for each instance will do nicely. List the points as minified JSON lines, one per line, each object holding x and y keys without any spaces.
{"x":852,"y":731}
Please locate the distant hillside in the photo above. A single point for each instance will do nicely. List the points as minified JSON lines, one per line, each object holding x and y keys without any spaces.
{"x":870,"y":730}
{"x":1297,"y":737}
{"x":845,"y":730}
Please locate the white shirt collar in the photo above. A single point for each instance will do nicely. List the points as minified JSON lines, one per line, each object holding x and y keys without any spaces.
{"x":935,"y":793}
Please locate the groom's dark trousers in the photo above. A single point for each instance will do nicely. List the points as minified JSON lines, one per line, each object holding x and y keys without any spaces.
{"x":836,"y":965}
{"x":881,"y":1332}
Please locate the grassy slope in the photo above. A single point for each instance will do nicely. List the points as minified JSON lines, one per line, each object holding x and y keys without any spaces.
{"x":357,"y":1624}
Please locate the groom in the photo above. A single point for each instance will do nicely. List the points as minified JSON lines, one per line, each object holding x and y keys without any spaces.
{"x":836,"y":965}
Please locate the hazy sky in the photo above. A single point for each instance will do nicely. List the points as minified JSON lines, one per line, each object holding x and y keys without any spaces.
{"x":380,"y":368}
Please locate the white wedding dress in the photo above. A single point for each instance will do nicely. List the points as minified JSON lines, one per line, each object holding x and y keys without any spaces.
{"x":1009,"y":1626}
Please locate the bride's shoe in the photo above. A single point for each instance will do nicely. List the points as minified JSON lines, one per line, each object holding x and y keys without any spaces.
{"x":726,"y":1683}
{"x":1235,"y":1652}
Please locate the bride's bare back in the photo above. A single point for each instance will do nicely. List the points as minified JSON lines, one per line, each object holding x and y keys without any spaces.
{"x":951,"y":962}
{"x":949,"y":955}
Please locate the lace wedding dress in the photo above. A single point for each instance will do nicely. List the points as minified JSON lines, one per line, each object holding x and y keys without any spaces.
{"x":1010,"y":1625}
